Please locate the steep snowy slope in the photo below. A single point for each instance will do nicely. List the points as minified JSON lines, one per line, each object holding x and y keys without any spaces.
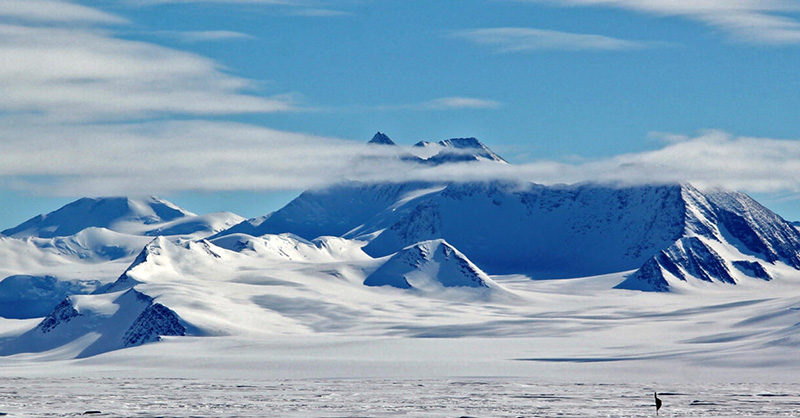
{"x":337,"y":210}
{"x":728,"y":237}
{"x":429,"y":265}
{"x":550,"y":231}
{"x":220,"y":291}
{"x":547,"y":232}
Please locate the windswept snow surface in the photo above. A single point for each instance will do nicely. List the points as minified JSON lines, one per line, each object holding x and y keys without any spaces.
{"x":283,"y":307}
{"x":465,"y":397}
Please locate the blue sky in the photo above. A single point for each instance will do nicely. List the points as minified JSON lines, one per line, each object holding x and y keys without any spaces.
{"x":237,"y":105}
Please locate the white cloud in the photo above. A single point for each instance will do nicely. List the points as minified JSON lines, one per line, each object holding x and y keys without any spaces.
{"x":168,"y":157}
{"x":756,"y":21}
{"x":85,"y":73}
{"x":319,"y":13}
{"x":205,"y":35}
{"x":54,"y":11}
{"x":446,"y":103}
{"x":161,"y":157}
{"x":155,"y":2}
{"x":527,"y":39}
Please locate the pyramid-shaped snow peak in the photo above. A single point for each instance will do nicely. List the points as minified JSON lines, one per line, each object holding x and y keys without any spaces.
{"x":429,"y":265}
{"x":114,"y":213}
{"x":381,"y":138}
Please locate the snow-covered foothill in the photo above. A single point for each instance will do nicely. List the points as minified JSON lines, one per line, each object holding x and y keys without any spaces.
{"x":86,"y":325}
{"x":429,"y":265}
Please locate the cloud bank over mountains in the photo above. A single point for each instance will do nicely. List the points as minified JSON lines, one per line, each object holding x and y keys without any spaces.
{"x":86,"y":111}
{"x":165,"y":157}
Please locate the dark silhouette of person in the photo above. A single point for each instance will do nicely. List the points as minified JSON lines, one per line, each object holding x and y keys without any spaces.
{"x":658,"y":402}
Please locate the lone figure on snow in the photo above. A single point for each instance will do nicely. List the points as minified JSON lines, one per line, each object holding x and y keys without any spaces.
{"x":658,"y":402}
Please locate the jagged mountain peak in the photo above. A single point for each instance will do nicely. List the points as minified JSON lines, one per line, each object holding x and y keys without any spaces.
{"x":114,"y":213}
{"x":381,"y":138}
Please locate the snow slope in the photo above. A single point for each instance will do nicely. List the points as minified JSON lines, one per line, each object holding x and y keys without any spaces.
{"x":86,"y":325}
{"x":84,"y":245}
{"x":114,"y":213}
{"x":461,"y":150}
{"x":428,"y":265}
{"x":728,"y":238}
{"x":340,"y":210}
{"x":547,"y":231}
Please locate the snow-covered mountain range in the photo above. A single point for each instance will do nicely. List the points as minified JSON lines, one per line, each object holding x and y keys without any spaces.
{"x":103,"y":274}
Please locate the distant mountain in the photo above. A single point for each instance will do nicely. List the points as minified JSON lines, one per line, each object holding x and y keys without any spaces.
{"x":198,"y":225}
{"x":391,"y":150}
{"x":344,"y":210}
{"x":429,"y":264}
{"x":101,"y":229}
{"x":380,"y":138}
{"x":460,"y":150}
{"x":120,"y":214}
{"x":555,"y":231}
{"x":339,"y":210}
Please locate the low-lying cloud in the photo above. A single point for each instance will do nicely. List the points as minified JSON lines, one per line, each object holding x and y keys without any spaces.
{"x":169,"y":157}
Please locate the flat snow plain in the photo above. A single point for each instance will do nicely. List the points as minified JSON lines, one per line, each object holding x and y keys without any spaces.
{"x":570,"y":347}
{"x":386,"y":398}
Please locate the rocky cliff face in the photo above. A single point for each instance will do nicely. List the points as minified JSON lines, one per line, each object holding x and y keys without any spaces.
{"x":154,"y":322}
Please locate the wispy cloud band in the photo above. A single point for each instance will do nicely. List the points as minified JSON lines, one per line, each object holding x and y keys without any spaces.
{"x":205,"y":35}
{"x":87,"y":73}
{"x":754,"y":21}
{"x":168,"y":157}
{"x":528,"y":39}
